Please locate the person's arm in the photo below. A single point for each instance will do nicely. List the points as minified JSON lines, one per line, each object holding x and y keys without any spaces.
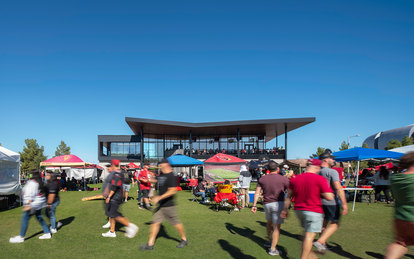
{"x":288,"y":200}
{"x":256,"y":198}
{"x":341,"y":194}
{"x":328,"y":196}
{"x":109,"y":196}
{"x":50,"y":199}
{"x":170,"y":192}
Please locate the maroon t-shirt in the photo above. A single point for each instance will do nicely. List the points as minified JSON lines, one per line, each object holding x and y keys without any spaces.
{"x":274,"y":187}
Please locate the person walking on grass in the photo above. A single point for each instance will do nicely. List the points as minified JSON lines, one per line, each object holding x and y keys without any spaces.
{"x":307,"y":189}
{"x":331,"y":208}
{"x":128,"y":179}
{"x":33,"y":202}
{"x":145,"y":186}
{"x":402,"y":187}
{"x":274,"y":187}
{"x":167,"y":188}
{"x":53,"y":200}
{"x":114,"y":200}
{"x":245,"y":179}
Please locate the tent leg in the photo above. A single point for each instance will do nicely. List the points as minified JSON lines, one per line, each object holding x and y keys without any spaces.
{"x":356,"y":186}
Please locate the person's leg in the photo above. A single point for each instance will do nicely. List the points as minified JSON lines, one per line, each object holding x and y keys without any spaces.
{"x":329,"y":231}
{"x":154,"y":229}
{"x":395,"y":251}
{"x":247,"y":197}
{"x":126,"y":195}
{"x":307,"y":244}
{"x":387,"y":193}
{"x":41,"y":221}
{"x":52,"y":215}
{"x":275,"y":236}
{"x":25,"y":223}
{"x":113,"y":223}
{"x":180,"y":228}
{"x":242,"y":197}
{"x":377,"y":193}
{"x":124,"y":221}
{"x":269,"y":229}
{"x":139,"y":195}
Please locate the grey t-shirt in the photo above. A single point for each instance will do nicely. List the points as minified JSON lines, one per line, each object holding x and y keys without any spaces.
{"x":332,"y":176}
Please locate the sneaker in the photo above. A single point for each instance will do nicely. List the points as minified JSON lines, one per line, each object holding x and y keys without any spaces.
{"x":321,"y":248}
{"x":273,"y":252}
{"x":16,"y":239}
{"x":46,"y":236}
{"x":183,"y":243}
{"x":131,"y":230}
{"x":225,"y":204}
{"x":125,"y":200}
{"x":146,"y":247}
{"x":59,"y":225}
{"x":148,"y":207}
{"x":140,"y":207}
{"x":53,"y":230}
{"x":107,"y":225}
{"x":236,"y":209}
{"x":109,"y":234}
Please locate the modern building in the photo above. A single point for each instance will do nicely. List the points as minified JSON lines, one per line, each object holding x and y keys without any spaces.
{"x":380,"y":139}
{"x":157,"y":139}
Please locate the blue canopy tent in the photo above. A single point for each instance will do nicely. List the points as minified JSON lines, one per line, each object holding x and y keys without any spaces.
{"x":361,"y":154}
{"x":180,"y":160}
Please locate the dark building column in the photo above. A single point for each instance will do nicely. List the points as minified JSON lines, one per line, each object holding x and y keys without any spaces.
{"x":191,"y":143}
{"x":163,"y":146}
{"x":238,"y":142}
{"x":141,"y":137}
{"x":276,"y":139}
{"x":286,"y":141}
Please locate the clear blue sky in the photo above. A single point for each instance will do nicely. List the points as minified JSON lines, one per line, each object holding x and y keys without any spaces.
{"x":71,"y":70}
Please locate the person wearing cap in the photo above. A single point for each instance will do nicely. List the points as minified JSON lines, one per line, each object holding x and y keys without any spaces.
{"x":402,"y":187}
{"x":274,"y":187}
{"x":52,"y":200}
{"x":245,"y":179}
{"x":167,"y":188}
{"x":145,"y":186}
{"x":113,"y":200}
{"x":307,"y":189}
{"x":331,"y":208}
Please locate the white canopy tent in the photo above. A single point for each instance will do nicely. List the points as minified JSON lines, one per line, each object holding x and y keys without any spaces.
{"x":404,"y":149}
{"x":77,"y":173}
{"x":9,"y":172}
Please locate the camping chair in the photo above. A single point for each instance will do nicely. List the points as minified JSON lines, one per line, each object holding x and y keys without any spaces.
{"x":193,"y":184}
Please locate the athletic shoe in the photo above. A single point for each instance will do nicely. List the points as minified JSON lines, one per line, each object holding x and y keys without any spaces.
{"x":226,"y":204}
{"x":46,"y":236}
{"x":109,"y":234}
{"x":107,"y":225}
{"x":131,"y":230}
{"x":53,"y":230}
{"x":125,"y":200}
{"x":59,"y":224}
{"x":183,"y":243}
{"x":140,"y":207}
{"x":16,"y":239}
{"x":236,"y":209}
{"x":273,"y":252}
{"x":146,"y":247}
{"x":321,"y":248}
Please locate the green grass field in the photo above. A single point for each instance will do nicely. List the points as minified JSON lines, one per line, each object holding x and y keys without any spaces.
{"x":363,"y":234}
{"x":223,"y":174}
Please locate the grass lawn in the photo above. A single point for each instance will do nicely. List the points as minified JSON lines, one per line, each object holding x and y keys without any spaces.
{"x":363,"y":234}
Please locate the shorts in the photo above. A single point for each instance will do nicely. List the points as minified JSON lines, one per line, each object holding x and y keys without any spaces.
{"x":332,"y":212}
{"x":273,"y":211}
{"x":126,"y":187}
{"x":166,"y":213}
{"x":111,"y":210}
{"x":145,"y":193}
{"x":311,"y":221}
{"x":404,"y":232}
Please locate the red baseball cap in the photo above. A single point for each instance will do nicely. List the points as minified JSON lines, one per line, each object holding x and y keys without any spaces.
{"x":115,"y":162}
{"x":315,"y":162}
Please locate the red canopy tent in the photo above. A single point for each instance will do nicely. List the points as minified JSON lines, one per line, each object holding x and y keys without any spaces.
{"x":222,"y":167}
{"x":133,"y":166}
{"x":66,"y":160}
{"x":221,"y":158}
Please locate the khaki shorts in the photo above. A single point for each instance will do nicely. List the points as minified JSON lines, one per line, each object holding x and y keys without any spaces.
{"x":166,"y":213}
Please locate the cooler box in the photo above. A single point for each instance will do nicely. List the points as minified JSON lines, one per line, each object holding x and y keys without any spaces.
{"x":251,"y":196}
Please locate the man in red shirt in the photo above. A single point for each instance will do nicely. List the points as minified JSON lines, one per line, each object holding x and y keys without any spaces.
{"x":307,"y":189}
{"x":145,"y":186}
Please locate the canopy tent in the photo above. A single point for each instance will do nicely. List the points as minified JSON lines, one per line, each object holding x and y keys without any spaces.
{"x":133,"y":166}
{"x":65,"y":160}
{"x":9,"y":172}
{"x":182,"y":160}
{"x":404,"y":149}
{"x":360,"y":154}
{"x":222,"y":167}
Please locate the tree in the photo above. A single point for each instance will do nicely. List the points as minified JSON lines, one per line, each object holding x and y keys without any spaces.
{"x":62,"y":149}
{"x":364,"y":145}
{"x":393,"y":143}
{"x":344,"y":146}
{"x":406,"y":141}
{"x":31,"y":156}
{"x":319,"y":151}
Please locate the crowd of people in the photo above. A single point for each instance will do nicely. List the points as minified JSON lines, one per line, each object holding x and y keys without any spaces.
{"x":317,"y":196}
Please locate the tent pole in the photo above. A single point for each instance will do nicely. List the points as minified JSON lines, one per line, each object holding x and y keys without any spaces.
{"x":356,"y":185}
{"x":84,"y":179}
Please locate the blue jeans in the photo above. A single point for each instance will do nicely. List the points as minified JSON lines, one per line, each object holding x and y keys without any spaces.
{"x":139,"y":194}
{"x":51,"y":214}
{"x":203,"y":196}
{"x":25,"y":222}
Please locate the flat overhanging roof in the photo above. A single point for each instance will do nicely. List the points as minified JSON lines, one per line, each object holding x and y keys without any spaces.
{"x":268,"y":128}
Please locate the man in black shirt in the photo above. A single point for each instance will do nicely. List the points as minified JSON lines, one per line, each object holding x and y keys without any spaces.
{"x":112,"y":202}
{"x":167,"y":187}
{"x":52,"y":200}
{"x":128,"y":179}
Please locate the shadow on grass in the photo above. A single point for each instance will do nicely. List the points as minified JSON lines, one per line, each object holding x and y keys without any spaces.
{"x":375,"y":255}
{"x":233,"y":251}
{"x":64,"y":222}
{"x":337,"y":249}
{"x":249,"y":233}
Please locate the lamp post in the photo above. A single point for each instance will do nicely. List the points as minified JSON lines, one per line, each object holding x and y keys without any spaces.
{"x":357,"y":135}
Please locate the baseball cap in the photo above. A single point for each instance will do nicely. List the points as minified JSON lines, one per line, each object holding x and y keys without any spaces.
{"x":315,"y":162}
{"x":164,"y":161}
{"x":326,"y":155}
{"x":285,"y":166}
{"x":115,"y":162}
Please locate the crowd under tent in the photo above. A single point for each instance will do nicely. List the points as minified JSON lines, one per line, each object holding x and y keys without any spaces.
{"x":185,"y":165}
